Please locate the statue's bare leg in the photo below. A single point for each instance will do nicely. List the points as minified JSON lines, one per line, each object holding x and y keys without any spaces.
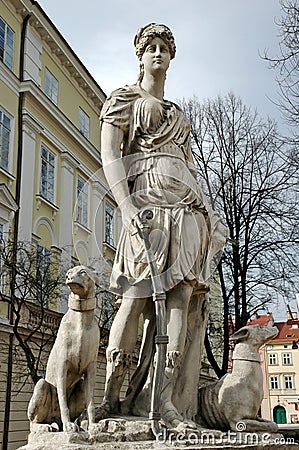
{"x":122,"y":341}
{"x":137,"y":402}
{"x":177,"y":312}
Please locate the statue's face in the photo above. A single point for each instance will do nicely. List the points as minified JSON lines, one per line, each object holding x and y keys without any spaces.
{"x":156,"y":56}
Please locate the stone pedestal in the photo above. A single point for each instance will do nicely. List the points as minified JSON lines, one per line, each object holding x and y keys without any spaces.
{"x":131,"y":434}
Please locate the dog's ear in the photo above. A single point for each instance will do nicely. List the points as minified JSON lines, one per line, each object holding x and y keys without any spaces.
{"x":93,"y":275}
{"x":240,"y":335}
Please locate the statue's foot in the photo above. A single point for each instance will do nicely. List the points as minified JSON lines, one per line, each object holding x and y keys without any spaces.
{"x":44,"y":427}
{"x":40,"y":427}
{"x":70,"y":427}
{"x":178,"y":425}
{"x":173,"y":419}
{"x":103,"y":411}
{"x":93,"y":428}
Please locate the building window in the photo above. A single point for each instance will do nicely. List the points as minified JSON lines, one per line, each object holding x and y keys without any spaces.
{"x":43,"y":260}
{"x":47,"y":174}
{"x":83,"y":123}
{"x":274,"y":384}
{"x":272,"y":359}
{"x":82,"y":202}
{"x":7,"y":37}
{"x":109,"y":223}
{"x":288,"y":382}
{"x":51,"y":86}
{"x":5,"y":132}
{"x":286,"y":359}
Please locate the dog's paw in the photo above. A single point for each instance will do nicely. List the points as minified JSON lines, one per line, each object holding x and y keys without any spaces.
{"x":70,"y":426}
{"x":94,"y":428}
{"x":40,"y":427}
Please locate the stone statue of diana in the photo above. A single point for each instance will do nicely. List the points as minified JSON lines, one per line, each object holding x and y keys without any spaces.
{"x":148,"y":164}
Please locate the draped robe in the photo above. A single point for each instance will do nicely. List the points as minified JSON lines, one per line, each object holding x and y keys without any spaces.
{"x":185,"y":233}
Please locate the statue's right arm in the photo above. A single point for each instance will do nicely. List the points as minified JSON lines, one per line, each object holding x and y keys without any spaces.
{"x":111,"y":140}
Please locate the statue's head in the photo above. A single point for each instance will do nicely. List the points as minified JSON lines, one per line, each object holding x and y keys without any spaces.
{"x":145,"y":35}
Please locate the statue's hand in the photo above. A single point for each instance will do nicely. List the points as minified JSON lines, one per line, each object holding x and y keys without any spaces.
{"x":130,"y":218}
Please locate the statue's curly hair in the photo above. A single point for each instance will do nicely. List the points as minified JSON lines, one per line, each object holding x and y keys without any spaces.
{"x":149,"y":32}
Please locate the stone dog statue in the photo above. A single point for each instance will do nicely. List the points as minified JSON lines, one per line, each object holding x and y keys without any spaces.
{"x":233,"y":402}
{"x":68,"y":387}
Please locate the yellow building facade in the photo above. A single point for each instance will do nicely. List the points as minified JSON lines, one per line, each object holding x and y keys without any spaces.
{"x":53,"y":193}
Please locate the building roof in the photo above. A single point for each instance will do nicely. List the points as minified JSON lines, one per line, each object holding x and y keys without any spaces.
{"x":287,"y":331}
{"x":263,"y":320}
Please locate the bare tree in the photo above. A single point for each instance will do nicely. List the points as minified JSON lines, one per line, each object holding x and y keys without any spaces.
{"x":286,"y":63}
{"x":249,"y":178}
{"x":33,"y":287}
{"x":30,"y":286}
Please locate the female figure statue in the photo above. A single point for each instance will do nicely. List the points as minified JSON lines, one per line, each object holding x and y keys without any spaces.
{"x":147,"y":161}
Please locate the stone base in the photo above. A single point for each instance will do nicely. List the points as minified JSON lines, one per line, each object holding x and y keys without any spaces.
{"x":136,"y":434}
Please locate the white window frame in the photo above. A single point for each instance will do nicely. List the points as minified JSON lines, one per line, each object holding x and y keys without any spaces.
{"x":47,"y":194}
{"x":7,"y":44}
{"x":10,"y":130}
{"x":274,"y":382}
{"x":51,"y":86}
{"x":286,"y":359}
{"x":82,"y":204}
{"x":272,"y":359}
{"x":288,"y":382}
{"x":84,"y":123}
{"x":109,"y":237}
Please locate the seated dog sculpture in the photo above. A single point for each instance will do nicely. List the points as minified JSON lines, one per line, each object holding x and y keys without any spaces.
{"x":70,"y":375}
{"x":233,"y":402}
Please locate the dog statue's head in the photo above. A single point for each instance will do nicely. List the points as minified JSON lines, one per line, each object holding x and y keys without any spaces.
{"x":255,"y":335}
{"x":81,"y":280}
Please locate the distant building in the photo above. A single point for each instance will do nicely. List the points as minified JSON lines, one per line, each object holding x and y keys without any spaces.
{"x":280,"y":365}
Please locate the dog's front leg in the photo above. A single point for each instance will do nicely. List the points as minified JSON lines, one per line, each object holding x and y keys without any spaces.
{"x":89,"y":385}
{"x":62,"y":399}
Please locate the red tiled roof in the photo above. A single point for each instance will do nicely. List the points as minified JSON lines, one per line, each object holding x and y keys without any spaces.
{"x":287,"y":331}
{"x":261,"y":320}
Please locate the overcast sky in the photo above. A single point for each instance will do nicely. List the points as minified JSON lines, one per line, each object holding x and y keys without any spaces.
{"x":218,"y":44}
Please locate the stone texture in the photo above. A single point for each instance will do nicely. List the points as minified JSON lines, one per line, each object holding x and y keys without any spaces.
{"x":148,"y":163}
{"x":68,"y":387}
{"x":233,"y":402}
{"x":119,"y":434}
{"x":134,"y":433}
